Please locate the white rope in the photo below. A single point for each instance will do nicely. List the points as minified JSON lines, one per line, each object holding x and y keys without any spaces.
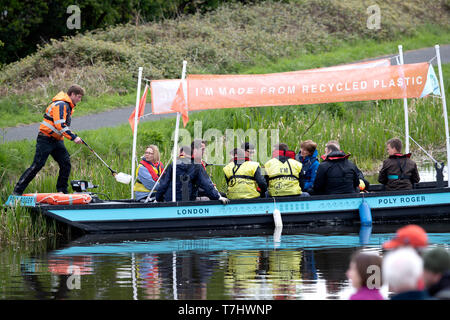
{"x":432,"y":59}
{"x":154,"y":186}
{"x":435,"y":161}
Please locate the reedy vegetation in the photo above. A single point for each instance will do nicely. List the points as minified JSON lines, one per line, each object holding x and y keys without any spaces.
{"x":235,"y":38}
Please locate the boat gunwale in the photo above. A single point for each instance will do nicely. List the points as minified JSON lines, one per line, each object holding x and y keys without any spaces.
{"x":383,"y":214}
{"x":117,"y":204}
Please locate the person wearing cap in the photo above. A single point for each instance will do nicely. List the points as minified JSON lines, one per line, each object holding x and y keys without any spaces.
{"x":402,"y":271}
{"x":436,"y":264}
{"x":408,"y":236}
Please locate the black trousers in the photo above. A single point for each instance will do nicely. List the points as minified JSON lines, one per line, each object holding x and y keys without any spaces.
{"x":46,"y":146}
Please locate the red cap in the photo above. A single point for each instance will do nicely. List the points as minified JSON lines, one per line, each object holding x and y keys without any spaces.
{"x":410,"y":235}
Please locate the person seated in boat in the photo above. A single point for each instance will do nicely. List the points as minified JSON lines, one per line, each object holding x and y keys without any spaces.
{"x":190,"y":176}
{"x":249,"y":149}
{"x":243,"y":177}
{"x":363,"y":183}
{"x":308,"y":157}
{"x":185,"y":151}
{"x":147,"y":173}
{"x":202,"y":144}
{"x":284,"y":174}
{"x":201,"y":194}
{"x":336,"y":174}
{"x":398,"y":172}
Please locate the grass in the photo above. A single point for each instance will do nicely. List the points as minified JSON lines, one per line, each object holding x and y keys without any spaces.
{"x":354,"y":51}
{"x":15,"y":111}
{"x":20,"y":224}
{"x":235,"y":38}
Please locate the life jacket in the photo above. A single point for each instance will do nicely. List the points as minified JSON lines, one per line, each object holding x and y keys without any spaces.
{"x":155,"y":170}
{"x":57,"y":118}
{"x":283,"y":177}
{"x":241,"y":179}
{"x":401,"y":166}
{"x":61,"y":198}
{"x":280,"y":153}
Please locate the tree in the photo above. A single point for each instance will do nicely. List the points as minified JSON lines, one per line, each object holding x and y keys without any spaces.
{"x":25,"y":24}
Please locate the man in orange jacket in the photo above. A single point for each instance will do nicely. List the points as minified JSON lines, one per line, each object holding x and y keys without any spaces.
{"x":50,"y":140}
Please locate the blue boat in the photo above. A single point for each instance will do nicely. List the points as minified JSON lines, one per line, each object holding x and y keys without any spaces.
{"x":425,"y":203}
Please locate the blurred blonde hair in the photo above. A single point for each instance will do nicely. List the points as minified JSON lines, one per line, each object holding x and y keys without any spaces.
{"x":156,"y":154}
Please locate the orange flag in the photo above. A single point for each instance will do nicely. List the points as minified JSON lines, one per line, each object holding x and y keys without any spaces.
{"x":141,"y":109}
{"x":179,"y":105}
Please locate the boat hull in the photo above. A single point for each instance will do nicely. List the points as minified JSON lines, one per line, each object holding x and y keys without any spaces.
{"x":126,"y":216}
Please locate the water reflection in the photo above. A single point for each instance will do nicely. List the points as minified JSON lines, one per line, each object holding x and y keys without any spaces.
{"x":260,"y":264}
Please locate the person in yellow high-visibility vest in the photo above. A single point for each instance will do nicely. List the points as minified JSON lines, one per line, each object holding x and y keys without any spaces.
{"x":284,"y":174}
{"x":244,"y":177}
{"x":147,"y":173}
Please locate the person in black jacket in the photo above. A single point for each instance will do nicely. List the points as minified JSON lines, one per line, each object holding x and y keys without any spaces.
{"x":399,"y":172}
{"x":191,"y":175}
{"x":336,"y":174}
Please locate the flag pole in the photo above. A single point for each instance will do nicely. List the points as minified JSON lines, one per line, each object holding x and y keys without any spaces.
{"x":133,"y":157}
{"x":175,"y":144}
{"x":444,"y":107}
{"x":405,"y":107}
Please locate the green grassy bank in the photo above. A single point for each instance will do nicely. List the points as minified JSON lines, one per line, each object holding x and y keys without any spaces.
{"x":235,"y":38}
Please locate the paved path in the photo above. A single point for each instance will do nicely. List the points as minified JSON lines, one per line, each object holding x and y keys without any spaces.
{"x":120,"y":116}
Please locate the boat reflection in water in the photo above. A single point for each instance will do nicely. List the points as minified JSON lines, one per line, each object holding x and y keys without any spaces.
{"x":250,"y":264}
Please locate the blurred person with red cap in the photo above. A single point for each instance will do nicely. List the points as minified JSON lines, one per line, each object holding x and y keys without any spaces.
{"x":408,"y":236}
{"x":436,"y":264}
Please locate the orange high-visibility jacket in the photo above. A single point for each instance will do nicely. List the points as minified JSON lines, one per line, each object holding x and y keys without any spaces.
{"x":57,"y":118}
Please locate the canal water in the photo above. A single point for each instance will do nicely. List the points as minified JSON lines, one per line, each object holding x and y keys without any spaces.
{"x":258,"y":264}
{"x":261,"y":264}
